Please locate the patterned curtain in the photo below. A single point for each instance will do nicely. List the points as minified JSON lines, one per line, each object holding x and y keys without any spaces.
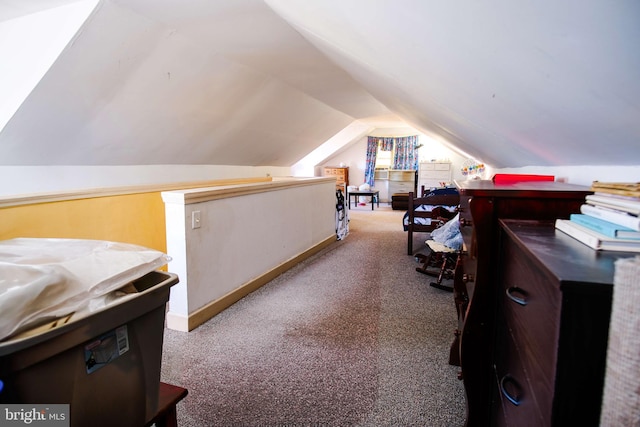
{"x":370,"y":165}
{"x":386,"y":144}
{"x":383,"y":143}
{"x":406,"y":155}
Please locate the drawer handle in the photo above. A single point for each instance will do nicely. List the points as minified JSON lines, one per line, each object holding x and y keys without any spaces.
{"x":465,"y":222}
{"x":507,"y":381}
{"x":511,"y":294}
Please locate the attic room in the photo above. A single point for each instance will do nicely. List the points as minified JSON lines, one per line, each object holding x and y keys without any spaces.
{"x":203,"y":130}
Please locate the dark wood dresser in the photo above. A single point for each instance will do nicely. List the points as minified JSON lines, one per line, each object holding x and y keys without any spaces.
{"x":554,"y":299}
{"x":476,"y":280}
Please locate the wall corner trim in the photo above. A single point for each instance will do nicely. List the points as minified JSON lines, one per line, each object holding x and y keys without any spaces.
{"x":198,"y":195}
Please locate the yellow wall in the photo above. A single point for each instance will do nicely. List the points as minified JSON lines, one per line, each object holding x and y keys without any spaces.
{"x":131,"y":218}
{"x":127,"y":214}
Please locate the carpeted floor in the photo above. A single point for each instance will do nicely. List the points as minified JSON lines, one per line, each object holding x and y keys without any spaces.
{"x":353,"y":336}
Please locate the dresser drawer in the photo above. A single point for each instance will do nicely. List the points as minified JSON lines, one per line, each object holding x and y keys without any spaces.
{"x":400,"y":187}
{"x":341,"y":174}
{"x":436,"y":174}
{"x":531,"y":306}
{"x":515,"y":402}
{"x":434,"y":166}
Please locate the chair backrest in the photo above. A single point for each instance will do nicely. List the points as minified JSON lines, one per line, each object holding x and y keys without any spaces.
{"x":435,"y":199}
{"x":437,"y":216}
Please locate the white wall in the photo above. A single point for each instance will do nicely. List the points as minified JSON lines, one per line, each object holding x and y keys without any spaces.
{"x":21,"y":180}
{"x":355,"y":157}
{"x":434,"y":150}
{"x":241,"y":237}
{"x":29,"y":45}
{"x":306,"y":166}
{"x":582,"y":175}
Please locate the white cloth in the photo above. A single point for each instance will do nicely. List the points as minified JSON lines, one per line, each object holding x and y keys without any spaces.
{"x":42,"y":279}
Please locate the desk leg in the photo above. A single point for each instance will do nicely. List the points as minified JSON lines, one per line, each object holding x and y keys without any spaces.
{"x":372,"y":201}
{"x":349,"y":197}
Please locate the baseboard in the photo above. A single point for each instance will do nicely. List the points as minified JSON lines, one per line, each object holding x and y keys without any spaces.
{"x":177,"y":322}
{"x":180,"y":322}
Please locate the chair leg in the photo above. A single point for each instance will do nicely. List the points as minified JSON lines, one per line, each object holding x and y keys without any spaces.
{"x":446,"y":271}
{"x":431,"y":260}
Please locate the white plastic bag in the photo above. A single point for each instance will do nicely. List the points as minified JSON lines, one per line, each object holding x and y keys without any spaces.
{"x":41,"y":279}
{"x":449,"y":234}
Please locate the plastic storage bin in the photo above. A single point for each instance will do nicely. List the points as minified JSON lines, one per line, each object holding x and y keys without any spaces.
{"x":105,"y":365}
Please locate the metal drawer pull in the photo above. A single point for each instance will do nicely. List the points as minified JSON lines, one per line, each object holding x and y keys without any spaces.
{"x":522,"y":300}
{"x":504,"y":383}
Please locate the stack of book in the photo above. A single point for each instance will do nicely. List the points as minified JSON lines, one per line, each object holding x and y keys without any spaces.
{"x":609,"y":219}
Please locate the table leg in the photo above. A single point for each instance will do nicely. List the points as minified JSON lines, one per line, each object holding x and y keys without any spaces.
{"x":372,"y":202}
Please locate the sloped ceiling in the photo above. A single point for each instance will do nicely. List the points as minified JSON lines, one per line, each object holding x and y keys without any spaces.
{"x":252,"y":82}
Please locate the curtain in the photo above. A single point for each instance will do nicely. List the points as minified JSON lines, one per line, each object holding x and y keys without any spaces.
{"x":406,"y":155}
{"x":370,"y":165}
{"x":386,"y":144}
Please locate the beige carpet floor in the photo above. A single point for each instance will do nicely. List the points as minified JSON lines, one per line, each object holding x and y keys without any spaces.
{"x":353,"y":336}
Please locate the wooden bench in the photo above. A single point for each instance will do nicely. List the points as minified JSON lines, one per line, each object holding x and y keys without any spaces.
{"x":169,"y":397}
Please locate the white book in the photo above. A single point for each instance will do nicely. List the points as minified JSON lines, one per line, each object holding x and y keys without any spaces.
{"x":617,"y":217}
{"x":630,"y":206}
{"x":596,"y":240}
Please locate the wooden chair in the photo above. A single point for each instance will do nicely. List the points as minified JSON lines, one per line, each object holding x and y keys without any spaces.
{"x":437,"y":216}
{"x":440,"y":263}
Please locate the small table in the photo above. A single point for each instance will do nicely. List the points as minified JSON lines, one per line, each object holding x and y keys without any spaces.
{"x":166,"y":415}
{"x":374,"y":194}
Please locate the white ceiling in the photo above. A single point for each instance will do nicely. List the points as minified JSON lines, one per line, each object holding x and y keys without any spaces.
{"x":252,"y":82}
{"x":10,"y":9}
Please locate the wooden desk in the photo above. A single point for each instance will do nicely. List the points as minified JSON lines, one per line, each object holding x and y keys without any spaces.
{"x":170,"y":395}
{"x":374,"y":194}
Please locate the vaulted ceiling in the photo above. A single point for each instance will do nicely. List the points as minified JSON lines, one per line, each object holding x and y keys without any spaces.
{"x":265,"y":82}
